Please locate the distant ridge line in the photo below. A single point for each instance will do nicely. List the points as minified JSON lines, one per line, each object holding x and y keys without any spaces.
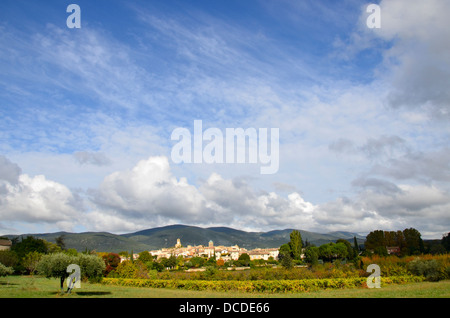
{"x":166,"y":236}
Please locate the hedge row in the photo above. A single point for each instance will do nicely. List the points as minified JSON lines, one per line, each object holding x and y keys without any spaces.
{"x":269,"y":286}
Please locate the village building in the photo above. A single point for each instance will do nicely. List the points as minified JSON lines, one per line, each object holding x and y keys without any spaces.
{"x":219,"y":252}
{"x":5,"y":244}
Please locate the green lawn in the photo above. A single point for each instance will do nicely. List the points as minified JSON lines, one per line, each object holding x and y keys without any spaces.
{"x":39,"y":287}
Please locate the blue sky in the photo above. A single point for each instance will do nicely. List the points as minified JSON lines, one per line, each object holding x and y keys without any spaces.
{"x":87,"y":114}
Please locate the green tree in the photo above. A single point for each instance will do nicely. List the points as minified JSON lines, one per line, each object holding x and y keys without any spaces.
{"x":126,"y":269}
{"x":8,"y":258}
{"x":312,"y":255}
{"x":244,"y":259}
{"x":145,"y":256}
{"x":196,"y":262}
{"x":287,"y":262}
{"x":295,"y":244}
{"x":60,"y":242}
{"x":31,"y":261}
{"x":326,"y":251}
{"x":340,"y":250}
{"x":29,"y":244}
{"x":350,"y":251}
{"x":91,"y":265}
{"x":285,"y":250}
{"x":5,"y":270}
{"x":374,"y":239}
{"x":413,"y":240}
{"x":446,"y":241}
{"x":55,"y":265}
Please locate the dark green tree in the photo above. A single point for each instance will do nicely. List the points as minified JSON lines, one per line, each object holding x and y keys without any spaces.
{"x":60,"y":242}
{"x":295,"y":244}
{"x":446,"y":242}
{"x":30,"y":244}
{"x":350,"y":254}
{"x":312,"y":255}
{"x":244,"y":259}
{"x":374,"y":240}
{"x":285,"y":250}
{"x":413,"y":240}
{"x":287,"y":262}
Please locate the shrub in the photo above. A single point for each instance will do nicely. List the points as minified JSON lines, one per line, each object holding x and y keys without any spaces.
{"x":431,"y":269}
{"x":4,"y":270}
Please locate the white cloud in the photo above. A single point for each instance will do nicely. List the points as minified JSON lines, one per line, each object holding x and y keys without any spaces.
{"x":418,"y":58}
{"x":37,"y":200}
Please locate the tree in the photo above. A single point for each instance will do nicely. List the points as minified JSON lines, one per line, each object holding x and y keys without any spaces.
{"x":112,"y":260}
{"x":244,"y":259}
{"x":413,"y":240}
{"x":312,"y":255}
{"x":91,"y":265}
{"x":446,"y":242}
{"x":295,"y":244}
{"x":326,"y":251}
{"x":350,"y":251}
{"x":126,"y":269}
{"x":60,"y":242}
{"x":55,"y":265}
{"x":285,"y":250}
{"x":145,"y":257}
{"x":27,"y":245}
{"x":340,"y":250}
{"x":31,"y":261}
{"x":286,"y":261}
{"x":5,"y":270}
{"x":374,"y":239}
{"x":8,"y":258}
{"x":196,"y":262}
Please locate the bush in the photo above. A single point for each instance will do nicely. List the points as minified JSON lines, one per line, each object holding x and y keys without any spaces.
{"x":431,"y":269}
{"x":4,"y":270}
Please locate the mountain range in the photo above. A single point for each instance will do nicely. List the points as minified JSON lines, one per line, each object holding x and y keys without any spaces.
{"x":166,"y":236}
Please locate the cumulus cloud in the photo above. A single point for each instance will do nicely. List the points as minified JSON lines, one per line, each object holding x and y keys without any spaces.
{"x":37,"y":200}
{"x":149,"y":195}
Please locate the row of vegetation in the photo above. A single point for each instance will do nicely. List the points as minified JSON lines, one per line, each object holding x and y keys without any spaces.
{"x":341,"y":262}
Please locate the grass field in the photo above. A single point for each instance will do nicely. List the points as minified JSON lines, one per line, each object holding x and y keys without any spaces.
{"x":40,"y":287}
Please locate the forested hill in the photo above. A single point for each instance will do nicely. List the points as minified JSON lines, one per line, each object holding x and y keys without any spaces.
{"x":167,"y":236}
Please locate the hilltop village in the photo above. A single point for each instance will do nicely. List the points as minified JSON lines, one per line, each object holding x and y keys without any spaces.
{"x":220,"y":252}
